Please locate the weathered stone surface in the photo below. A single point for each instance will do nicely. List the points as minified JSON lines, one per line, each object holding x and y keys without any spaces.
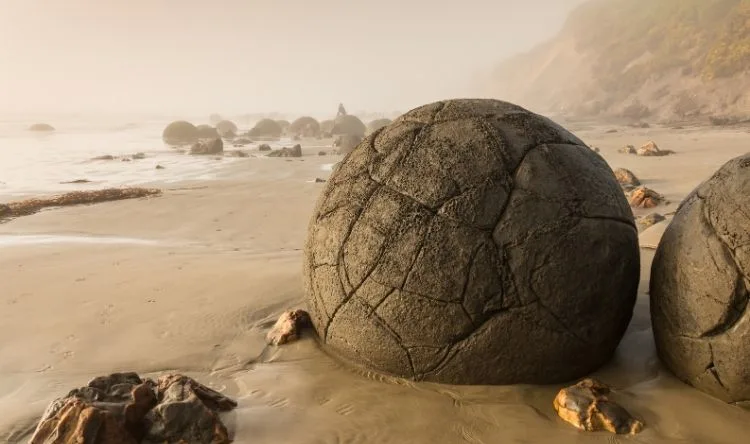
{"x":124,"y":409}
{"x":586,"y":406}
{"x":204,"y":147}
{"x":626,"y":177}
{"x":440,"y":250}
{"x":699,"y":286}
{"x":288,"y":327}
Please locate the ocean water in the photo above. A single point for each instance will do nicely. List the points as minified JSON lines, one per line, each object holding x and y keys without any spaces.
{"x":36,"y":163}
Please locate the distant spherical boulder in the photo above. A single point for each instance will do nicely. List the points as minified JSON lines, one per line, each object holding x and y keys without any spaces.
{"x":326,"y":126}
{"x":41,"y":128}
{"x":699,"y":286}
{"x":377,"y":124}
{"x":207,"y":132}
{"x":346,"y":143}
{"x":348,"y":124}
{"x":305,"y":126}
{"x":472,"y":242}
{"x":284,"y":124}
{"x":226,"y":128}
{"x":266,"y":128}
{"x":180,"y":133}
{"x":215,"y":118}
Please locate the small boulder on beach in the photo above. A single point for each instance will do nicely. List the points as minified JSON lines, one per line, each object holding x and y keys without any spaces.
{"x":288,"y":327}
{"x":586,"y":406}
{"x":204,"y":147}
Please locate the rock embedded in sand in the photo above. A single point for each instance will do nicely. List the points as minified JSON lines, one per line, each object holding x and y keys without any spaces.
{"x":41,"y":128}
{"x":586,"y":406}
{"x":295,"y":151}
{"x":651,"y":149}
{"x":699,"y":286}
{"x":440,"y":250}
{"x":627,"y":149}
{"x":626,"y":177}
{"x":288,"y":327}
{"x":31,"y":206}
{"x":122,"y":408}
{"x":642,"y":197}
{"x":180,"y":133}
{"x":264,"y":147}
{"x":204,"y":147}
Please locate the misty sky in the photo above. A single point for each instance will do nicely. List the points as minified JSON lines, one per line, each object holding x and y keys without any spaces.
{"x":235,"y":56}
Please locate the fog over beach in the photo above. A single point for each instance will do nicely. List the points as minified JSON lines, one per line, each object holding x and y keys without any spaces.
{"x":191,"y":279}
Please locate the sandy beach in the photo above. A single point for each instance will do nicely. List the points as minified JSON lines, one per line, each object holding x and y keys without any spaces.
{"x":191,"y":281}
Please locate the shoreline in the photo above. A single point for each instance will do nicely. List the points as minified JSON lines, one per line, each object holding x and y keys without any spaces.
{"x":226,"y":260}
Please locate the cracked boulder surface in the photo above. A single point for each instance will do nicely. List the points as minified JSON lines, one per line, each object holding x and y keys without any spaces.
{"x":472,"y":242}
{"x":699,"y":286}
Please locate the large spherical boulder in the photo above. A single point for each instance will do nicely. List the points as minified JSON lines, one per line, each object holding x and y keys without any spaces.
{"x":207,"y":132}
{"x":377,"y":124}
{"x":472,"y":242}
{"x":326,"y":126}
{"x":305,"y":126}
{"x":180,"y":133}
{"x":226,"y":128}
{"x":699,"y":286}
{"x":346,"y":143}
{"x":266,"y":128}
{"x":41,"y":128}
{"x":348,"y":124}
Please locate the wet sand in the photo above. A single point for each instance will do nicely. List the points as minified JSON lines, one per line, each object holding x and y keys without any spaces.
{"x":198,"y":276}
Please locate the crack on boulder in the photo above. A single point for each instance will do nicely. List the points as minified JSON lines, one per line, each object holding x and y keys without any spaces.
{"x":711,"y":367}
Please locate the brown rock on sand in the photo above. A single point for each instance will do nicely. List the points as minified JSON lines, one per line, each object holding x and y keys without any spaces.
{"x":627,"y":149}
{"x":626,"y":177}
{"x":651,"y":149}
{"x":585,"y":405}
{"x":650,"y":219}
{"x":124,"y":409}
{"x":643,"y":197}
{"x":288,"y":327}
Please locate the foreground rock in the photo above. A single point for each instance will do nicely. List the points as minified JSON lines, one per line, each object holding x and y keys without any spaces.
{"x":31,"y":206}
{"x":440,"y":249}
{"x":288,"y":327}
{"x":642,"y":197}
{"x":180,"y":133}
{"x":122,"y":408}
{"x":585,"y":405}
{"x":295,"y":151}
{"x":699,"y":286}
{"x":204,"y":147}
{"x":41,"y":128}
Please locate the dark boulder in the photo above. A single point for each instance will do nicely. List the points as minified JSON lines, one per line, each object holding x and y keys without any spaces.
{"x":472,"y":242}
